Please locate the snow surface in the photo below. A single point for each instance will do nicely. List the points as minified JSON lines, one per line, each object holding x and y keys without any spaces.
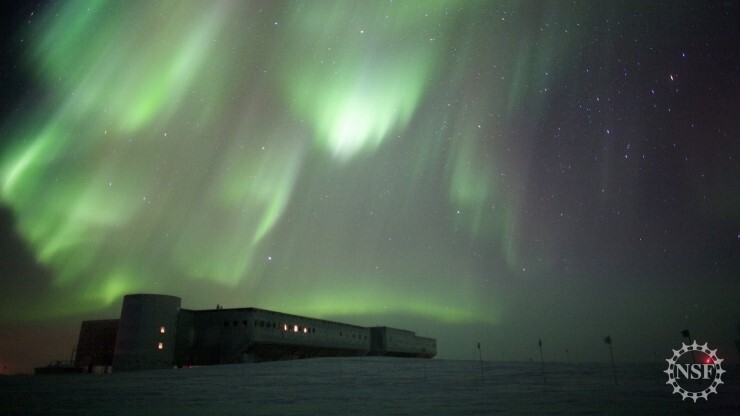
{"x":366,"y":386}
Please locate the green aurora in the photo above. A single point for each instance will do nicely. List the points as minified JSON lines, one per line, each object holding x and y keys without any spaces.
{"x":172,"y":139}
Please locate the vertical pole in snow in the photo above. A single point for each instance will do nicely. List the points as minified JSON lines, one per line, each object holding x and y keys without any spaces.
{"x":608,"y":340}
{"x":480,"y":357}
{"x":542,"y":360}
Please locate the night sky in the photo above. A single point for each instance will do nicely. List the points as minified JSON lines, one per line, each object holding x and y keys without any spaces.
{"x":496,"y":172}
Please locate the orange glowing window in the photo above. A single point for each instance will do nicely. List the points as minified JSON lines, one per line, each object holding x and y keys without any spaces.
{"x":305,"y":330}
{"x":285,"y":327}
{"x":295,"y":328}
{"x":160,"y":346}
{"x":161,"y":330}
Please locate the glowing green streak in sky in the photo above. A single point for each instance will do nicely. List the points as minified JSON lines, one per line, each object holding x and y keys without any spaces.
{"x":166,"y":86}
{"x":470,"y":186}
{"x":357,"y":81}
{"x":110,"y":289}
{"x":14,"y":172}
{"x":355,"y":297}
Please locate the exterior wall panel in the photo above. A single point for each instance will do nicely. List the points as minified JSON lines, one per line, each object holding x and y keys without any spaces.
{"x":96,"y":345}
{"x":402,"y":343}
{"x":146,"y":332}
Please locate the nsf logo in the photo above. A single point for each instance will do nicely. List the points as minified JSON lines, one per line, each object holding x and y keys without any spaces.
{"x":694,"y":371}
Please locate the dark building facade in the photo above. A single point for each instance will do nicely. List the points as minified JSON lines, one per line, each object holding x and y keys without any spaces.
{"x":155,"y":332}
{"x":96,"y":346}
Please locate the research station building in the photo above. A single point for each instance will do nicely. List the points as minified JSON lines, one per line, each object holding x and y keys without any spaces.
{"x":154,"y":332}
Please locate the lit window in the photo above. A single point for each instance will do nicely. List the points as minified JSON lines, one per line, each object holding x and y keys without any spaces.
{"x":285,"y":327}
{"x":161,"y":330}
{"x":160,"y":346}
{"x":305,"y":330}
{"x":295,"y":328}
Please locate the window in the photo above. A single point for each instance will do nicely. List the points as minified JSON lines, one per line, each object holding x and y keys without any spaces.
{"x":161,"y":330}
{"x":295,"y":328}
{"x":305,"y":330}
{"x":285,"y":327}
{"x":160,"y":346}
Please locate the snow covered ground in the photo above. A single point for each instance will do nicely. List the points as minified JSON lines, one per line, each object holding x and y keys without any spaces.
{"x":365,"y":386}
